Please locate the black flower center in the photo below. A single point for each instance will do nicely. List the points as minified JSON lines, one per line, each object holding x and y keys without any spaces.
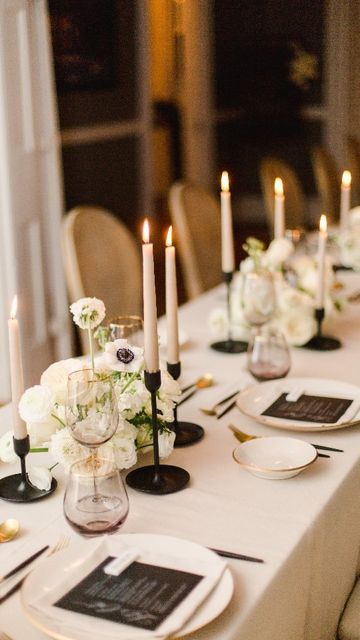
{"x":125,"y":355}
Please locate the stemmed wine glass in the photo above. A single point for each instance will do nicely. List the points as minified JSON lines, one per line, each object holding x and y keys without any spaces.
{"x":258,"y":297}
{"x":95,"y":499}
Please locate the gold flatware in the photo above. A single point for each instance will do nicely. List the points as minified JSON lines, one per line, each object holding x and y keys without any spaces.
{"x":211,"y":411}
{"x":244,"y":437}
{"x":9,"y":529}
{"x":201,"y":383}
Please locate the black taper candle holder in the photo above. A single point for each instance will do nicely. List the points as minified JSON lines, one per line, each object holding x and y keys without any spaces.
{"x":320,"y":342}
{"x":158,"y":479}
{"x":17,"y":488}
{"x":229,"y":345}
{"x":186,"y":433}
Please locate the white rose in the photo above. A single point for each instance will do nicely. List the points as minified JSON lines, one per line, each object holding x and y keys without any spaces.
{"x":297,"y":327}
{"x":166,"y":443}
{"x":119,"y":355}
{"x":123,"y":451}
{"x":40,"y":477}
{"x":278,"y":252}
{"x":41,"y":432}
{"x":56,"y":376}
{"x":88,"y":313}
{"x":36,"y":404}
{"x":7,"y":453}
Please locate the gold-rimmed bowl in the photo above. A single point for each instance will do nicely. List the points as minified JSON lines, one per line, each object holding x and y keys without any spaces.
{"x":275,"y":458}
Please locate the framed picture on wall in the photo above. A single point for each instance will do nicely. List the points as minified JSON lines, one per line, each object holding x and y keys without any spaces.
{"x":84,"y":44}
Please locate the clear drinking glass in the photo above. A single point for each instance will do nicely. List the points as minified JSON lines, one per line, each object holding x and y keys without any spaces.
{"x":258,"y":297}
{"x":95,"y":499}
{"x":91,"y":411}
{"x":268,"y":355}
{"x":129,"y":328}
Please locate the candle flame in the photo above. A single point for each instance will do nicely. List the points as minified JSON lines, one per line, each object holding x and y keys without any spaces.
{"x":323,"y":224}
{"x":169,"y":237}
{"x":225,"y":181}
{"x":278,"y":187}
{"x":146,"y":232}
{"x":14,"y":308}
{"x":346,"y":179}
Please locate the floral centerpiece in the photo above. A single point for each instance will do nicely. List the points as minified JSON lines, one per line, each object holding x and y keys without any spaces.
{"x":295,"y":281}
{"x":43,"y":406}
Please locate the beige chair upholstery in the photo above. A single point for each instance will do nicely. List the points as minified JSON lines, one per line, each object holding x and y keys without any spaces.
{"x":353,"y":164}
{"x":349,"y":626}
{"x":102,"y":260}
{"x":195,"y":215}
{"x":295,"y":204}
{"x":327,"y":179}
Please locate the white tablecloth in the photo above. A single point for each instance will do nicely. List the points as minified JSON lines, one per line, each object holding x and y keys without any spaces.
{"x":306,"y":528}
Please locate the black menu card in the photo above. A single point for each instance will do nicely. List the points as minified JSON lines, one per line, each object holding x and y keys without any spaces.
{"x":143,"y":595}
{"x":308,"y":408}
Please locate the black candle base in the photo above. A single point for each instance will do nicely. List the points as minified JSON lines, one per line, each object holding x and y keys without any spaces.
{"x":158,"y":481}
{"x":323,"y":343}
{"x":230,"y":346}
{"x":15,"y":489}
{"x":187,"y":433}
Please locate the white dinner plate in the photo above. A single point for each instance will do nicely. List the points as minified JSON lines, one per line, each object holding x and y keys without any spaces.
{"x":57,"y":567}
{"x":255,"y":399}
{"x":276,"y":458}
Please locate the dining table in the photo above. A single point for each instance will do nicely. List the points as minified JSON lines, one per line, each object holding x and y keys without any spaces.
{"x":306,"y":528}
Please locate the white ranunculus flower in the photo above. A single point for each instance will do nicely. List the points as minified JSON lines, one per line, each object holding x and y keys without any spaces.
{"x":166,"y":409}
{"x":170,"y":388}
{"x":65,"y":450}
{"x":41,"y":432}
{"x":7,"y":453}
{"x":36,"y":404}
{"x":289,"y":299}
{"x":166,"y":443}
{"x":88,"y":313}
{"x":122,"y":449}
{"x":56,"y":376}
{"x":40,"y":477}
{"x":119,"y":355}
{"x":278,"y":252}
{"x":297,"y":327}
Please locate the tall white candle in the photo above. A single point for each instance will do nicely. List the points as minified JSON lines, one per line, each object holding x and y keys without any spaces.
{"x":321,"y":262}
{"x":16,"y":372}
{"x":171,"y":302}
{"x":227,"y":237}
{"x":345,"y":199}
{"x":279,"y":214}
{"x":151,"y":345}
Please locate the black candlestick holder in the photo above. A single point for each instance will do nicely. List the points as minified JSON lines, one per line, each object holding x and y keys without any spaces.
{"x":186,"y":433}
{"x":18,"y":488}
{"x":229,"y":345}
{"x":157,"y":479}
{"x":320,"y":342}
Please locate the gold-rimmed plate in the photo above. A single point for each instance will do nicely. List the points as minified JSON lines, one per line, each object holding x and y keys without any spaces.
{"x":275,"y":458}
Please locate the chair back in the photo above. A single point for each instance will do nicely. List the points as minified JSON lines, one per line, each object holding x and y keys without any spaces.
{"x":327,"y":182}
{"x":102,"y":260}
{"x":195,"y":214}
{"x":353,"y":164}
{"x":295,"y":204}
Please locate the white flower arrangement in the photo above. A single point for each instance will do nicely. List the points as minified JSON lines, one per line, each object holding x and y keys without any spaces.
{"x":295,"y":281}
{"x":43,"y":407}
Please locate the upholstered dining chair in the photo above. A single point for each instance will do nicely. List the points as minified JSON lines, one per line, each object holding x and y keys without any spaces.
{"x":102,"y":260}
{"x":195,"y":214}
{"x":327,"y":179}
{"x":295,"y":203}
{"x":349,"y":626}
{"x":353,"y":164}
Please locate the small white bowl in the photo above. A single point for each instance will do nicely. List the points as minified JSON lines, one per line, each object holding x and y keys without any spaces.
{"x":275,"y":458}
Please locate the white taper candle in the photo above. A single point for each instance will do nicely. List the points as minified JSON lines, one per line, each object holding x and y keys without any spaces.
{"x":320,"y":294}
{"x":172,"y":328}
{"x":227,"y":237}
{"x":151,"y":344}
{"x":16,"y":372}
{"x":279,"y":213}
{"x":345,"y":199}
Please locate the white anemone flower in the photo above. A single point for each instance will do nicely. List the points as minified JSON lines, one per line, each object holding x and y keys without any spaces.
{"x":119,"y":355}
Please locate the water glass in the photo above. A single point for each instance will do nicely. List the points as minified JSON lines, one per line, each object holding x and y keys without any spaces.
{"x":129,"y":328}
{"x":95,"y":500}
{"x":91,"y":410}
{"x":268,"y":355}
